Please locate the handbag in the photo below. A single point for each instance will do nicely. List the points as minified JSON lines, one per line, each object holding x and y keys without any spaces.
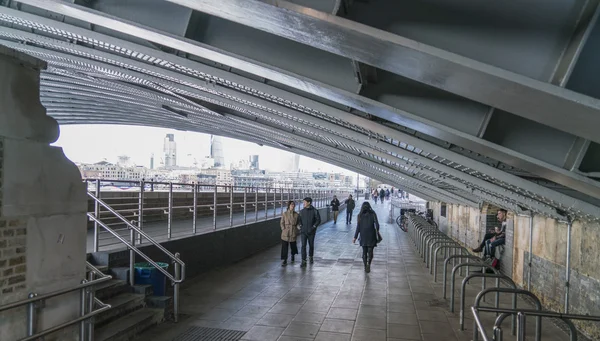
{"x":379,"y":238}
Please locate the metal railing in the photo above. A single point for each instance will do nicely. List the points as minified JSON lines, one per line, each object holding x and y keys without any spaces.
{"x":179,"y":272}
{"x":87,"y":300}
{"x":145,"y":203}
{"x":521,"y":321}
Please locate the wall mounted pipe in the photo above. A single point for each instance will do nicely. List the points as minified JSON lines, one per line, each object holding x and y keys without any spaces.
{"x":568,"y":265}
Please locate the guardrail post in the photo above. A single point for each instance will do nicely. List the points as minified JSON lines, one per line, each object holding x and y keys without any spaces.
{"x":170,"y":210}
{"x":91,"y":294}
{"x":256,"y":205}
{"x":521,"y":326}
{"x":83,"y":311}
{"x":31,"y":316}
{"x":231,"y":206}
{"x":245,"y":200}
{"x":97,"y":214}
{"x":215,"y":208}
{"x":266,"y":203}
{"x":176,"y":288}
{"x":195,"y":213}
{"x":140,"y":211}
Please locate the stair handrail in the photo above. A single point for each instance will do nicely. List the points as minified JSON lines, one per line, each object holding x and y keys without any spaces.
{"x":147,"y":237}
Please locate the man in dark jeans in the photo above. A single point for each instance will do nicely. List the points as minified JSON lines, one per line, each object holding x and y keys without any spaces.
{"x":309,"y":220}
{"x":350,"y":204}
{"x":335,"y":208}
{"x":497,"y":237}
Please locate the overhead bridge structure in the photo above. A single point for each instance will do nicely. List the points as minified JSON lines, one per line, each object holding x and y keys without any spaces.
{"x":459,"y":102}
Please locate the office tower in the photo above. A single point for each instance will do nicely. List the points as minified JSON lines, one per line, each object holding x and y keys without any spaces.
{"x":170,"y":150}
{"x":254,"y":162}
{"x":216,"y":151}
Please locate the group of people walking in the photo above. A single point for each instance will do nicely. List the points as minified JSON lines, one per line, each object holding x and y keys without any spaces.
{"x":382,"y":194}
{"x":305,"y":223}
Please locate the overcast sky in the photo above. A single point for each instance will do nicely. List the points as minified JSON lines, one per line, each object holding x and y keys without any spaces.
{"x":93,"y":143}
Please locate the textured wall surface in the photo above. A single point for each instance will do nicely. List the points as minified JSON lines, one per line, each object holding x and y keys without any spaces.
{"x":42,"y":205}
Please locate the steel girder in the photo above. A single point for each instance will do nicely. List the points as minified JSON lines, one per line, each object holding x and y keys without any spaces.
{"x":535,"y":100}
{"x":485,"y":197}
{"x":418,"y":123}
{"x":335,"y":134}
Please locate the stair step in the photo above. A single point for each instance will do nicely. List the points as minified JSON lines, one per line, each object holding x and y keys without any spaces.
{"x":127,"y":327}
{"x":111,"y":289}
{"x":122,"y":304}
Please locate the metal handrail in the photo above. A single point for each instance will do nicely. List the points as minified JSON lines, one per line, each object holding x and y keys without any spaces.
{"x":143,"y":255}
{"x":85,"y":317}
{"x":44,"y":297}
{"x":531,"y":312}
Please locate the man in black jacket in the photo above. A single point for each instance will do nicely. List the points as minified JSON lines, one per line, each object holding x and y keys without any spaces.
{"x":309,"y":220}
{"x":335,"y":208}
{"x":350,"y":204}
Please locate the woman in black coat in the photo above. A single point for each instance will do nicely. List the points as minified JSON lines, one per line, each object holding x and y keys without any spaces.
{"x":368,"y":228}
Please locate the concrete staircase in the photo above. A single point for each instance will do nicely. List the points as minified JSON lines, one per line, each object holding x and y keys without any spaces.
{"x":134,"y":308}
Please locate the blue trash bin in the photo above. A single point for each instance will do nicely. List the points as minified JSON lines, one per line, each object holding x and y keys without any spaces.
{"x":146,"y":273}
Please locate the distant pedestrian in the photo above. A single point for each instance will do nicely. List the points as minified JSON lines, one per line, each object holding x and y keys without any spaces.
{"x":289,"y":232}
{"x":350,"y":205}
{"x":375,"y":195}
{"x":309,"y":220}
{"x":381,"y":194}
{"x":335,"y":208}
{"x":368,"y":230}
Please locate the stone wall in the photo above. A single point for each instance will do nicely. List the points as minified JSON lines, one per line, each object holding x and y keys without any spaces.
{"x":42,"y":205}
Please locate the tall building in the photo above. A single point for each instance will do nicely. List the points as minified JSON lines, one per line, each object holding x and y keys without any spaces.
{"x":170,"y":150}
{"x":254,"y":162}
{"x":152,"y":161}
{"x":216,"y":151}
{"x":296,"y":163}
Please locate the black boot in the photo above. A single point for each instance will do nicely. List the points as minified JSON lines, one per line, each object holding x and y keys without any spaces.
{"x":368,"y":269}
{"x":303,"y":265}
{"x":293,"y":260}
{"x":312,"y":260}
{"x":284,"y":263}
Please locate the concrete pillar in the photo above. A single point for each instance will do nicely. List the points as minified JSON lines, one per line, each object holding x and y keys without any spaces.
{"x":42,"y":205}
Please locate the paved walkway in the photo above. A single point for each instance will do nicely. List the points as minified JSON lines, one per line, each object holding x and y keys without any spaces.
{"x":331,"y":300}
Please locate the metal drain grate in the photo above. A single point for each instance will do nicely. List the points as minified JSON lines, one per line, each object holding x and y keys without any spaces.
{"x":209,"y":334}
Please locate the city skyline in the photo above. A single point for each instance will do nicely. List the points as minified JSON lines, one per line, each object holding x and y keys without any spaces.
{"x":95,"y":143}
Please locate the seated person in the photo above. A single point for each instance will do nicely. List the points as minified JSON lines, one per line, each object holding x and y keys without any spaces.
{"x":501,"y":216}
{"x":497,"y":240}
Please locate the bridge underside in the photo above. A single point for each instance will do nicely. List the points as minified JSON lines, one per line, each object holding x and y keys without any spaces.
{"x":462,"y":102}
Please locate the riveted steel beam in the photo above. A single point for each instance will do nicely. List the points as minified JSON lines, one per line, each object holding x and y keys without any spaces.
{"x":561,"y":176}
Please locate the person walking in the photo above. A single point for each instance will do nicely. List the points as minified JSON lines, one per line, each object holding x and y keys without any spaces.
{"x":375,"y":195}
{"x":368,"y":230}
{"x":309,"y":220}
{"x":289,"y":232}
{"x":350,"y":205}
{"x":381,"y":195}
{"x":335,"y":208}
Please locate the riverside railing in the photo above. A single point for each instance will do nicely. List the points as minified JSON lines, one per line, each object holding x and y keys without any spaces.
{"x":167,"y":210}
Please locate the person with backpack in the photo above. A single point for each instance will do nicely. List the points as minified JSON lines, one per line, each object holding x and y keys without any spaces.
{"x":335,"y":208}
{"x":381,"y":195}
{"x":368,"y":230}
{"x":289,"y":232}
{"x":309,"y":220}
{"x":350,"y":205}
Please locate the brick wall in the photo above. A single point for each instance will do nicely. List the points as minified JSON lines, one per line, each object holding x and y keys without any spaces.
{"x":13,"y":266}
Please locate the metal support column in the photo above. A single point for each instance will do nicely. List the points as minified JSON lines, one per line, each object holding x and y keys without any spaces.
{"x":215,"y":208}
{"x":91,"y":294}
{"x":32,"y":316}
{"x":195,"y":210}
{"x":141,"y":210}
{"x":230,"y":206}
{"x":176,"y":289}
{"x":83,"y":311}
{"x":170,"y":210}
{"x":256,"y":205}
{"x":97,"y":214}
{"x":530,"y":261}
{"x":568,"y":265}
{"x":245,"y":200}
{"x":266,"y":203}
